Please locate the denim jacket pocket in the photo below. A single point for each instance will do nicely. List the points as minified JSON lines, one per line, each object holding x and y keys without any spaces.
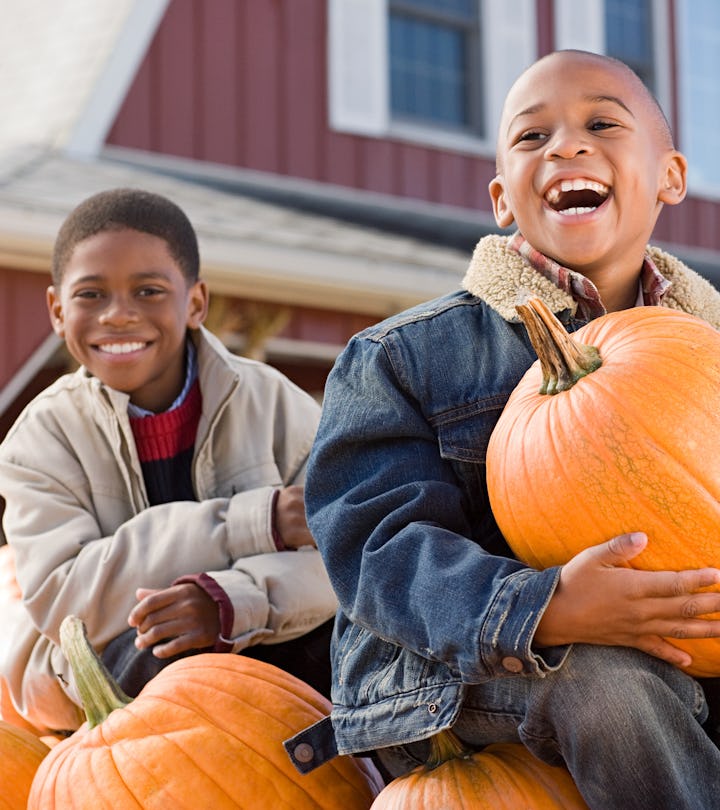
{"x":464,"y":433}
{"x":463,"y":436}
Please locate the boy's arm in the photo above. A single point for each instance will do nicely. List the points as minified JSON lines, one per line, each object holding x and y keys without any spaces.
{"x":393,"y":525}
{"x":66,"y":565}
{"x":264,"y":598}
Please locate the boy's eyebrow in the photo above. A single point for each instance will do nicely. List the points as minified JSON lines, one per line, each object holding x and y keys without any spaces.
{"x":536,"y":108}
{"x":140,"y":276}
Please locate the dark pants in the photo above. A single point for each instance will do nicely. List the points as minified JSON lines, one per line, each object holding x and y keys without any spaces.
{"x":306,"y":657}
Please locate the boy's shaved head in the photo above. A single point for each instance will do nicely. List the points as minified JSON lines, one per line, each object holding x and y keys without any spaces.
{"x":656,"y":116}
{"x":585,"y":163}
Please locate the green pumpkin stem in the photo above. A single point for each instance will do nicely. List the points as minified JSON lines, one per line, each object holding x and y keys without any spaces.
{"x":444,"y":746}
{"x":563,"y":360}
{"x":98,"y":690}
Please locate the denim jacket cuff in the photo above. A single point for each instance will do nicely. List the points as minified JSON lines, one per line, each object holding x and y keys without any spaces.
{"x":507,"y":633}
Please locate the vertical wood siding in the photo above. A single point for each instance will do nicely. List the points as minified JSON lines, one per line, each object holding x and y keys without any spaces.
{"x":243,"y":83}
{"x":24,"y":322}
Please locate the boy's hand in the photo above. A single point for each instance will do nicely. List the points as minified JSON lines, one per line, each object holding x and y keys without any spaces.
{"x":183,"y":617}
{"x":290,"y":520}
{"x":600,"y":600}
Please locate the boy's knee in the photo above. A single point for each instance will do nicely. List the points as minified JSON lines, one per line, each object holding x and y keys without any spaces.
{"x":599,"y":683}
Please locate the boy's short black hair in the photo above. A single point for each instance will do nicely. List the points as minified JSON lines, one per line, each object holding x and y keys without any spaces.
{"x":120,"y":208}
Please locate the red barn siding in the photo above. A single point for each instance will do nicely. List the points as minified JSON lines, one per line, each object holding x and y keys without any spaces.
{"x":24,"y":322}
{"x":243,"y":83}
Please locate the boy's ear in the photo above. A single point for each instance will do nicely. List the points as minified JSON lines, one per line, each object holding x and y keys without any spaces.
{"x":673,"y":185}
{"x":197,"y":306}
{"x":57,"y":320}
{"x":501,"y":207}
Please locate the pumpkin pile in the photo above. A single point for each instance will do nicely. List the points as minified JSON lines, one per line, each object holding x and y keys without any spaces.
{"x":206,"y":731}
{"x":503,"y":776}
{"x":613,"y":430}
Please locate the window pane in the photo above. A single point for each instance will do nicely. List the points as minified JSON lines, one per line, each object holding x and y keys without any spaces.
{"x":428,"y":71}
{"x":699,"y":89}
{"x":629,"y":36}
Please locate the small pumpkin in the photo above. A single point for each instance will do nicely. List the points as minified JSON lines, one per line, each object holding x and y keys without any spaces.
{"x":21,"y":753}
{"x":207,"y":731}
{"x":503,"y":776}
{"x":614,"y":429}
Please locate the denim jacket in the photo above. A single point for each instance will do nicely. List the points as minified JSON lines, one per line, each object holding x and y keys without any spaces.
{"x":431,"y":599}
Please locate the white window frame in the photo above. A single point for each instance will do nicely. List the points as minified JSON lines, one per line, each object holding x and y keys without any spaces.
{"x":359,"y":77}
{"x":581,"y":25}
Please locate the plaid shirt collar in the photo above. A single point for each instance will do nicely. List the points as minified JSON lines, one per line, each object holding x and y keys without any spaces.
{"x":653,"y":285}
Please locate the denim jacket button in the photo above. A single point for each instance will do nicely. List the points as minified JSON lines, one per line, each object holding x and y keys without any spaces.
{"x":304,"y":752}
{"x":432,"y":708}
{"x":512,"y":664}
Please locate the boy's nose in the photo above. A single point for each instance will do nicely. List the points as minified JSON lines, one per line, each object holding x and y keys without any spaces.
{"x":566,"y":144}
{"x":118,"y":310}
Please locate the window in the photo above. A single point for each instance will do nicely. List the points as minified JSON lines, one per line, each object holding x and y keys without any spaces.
{"x":433,"y":72}
{"x":433,"y":54}
{"x":629,"y":36}
{"x":625,"y":29}
{"x":698,"y":48}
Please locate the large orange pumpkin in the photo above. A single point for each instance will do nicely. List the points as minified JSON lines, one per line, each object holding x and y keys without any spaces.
{"x":614,"y":430}
{"x":21,"y":753}
{"x":503,"y":776}
{"x":207,"y":731}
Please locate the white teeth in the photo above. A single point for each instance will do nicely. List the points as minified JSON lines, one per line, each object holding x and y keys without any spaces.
{"x":577,"y":184}
{"x":121,"y":348}
{"x":569,"y":212}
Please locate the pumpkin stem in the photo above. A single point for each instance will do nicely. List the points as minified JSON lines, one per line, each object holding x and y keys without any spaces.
{"x":444,"y":746}
{"x":99,"y":692}
{"x":563,"y":360}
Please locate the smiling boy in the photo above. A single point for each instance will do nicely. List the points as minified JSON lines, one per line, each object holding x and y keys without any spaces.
{"x":157,"y":491}
{"x":439,"y":626}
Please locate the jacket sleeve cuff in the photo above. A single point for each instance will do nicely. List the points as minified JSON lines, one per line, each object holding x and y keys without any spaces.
{"x":250,"y":522}
{"x":507,"y":634}
{"x":224,"y":605}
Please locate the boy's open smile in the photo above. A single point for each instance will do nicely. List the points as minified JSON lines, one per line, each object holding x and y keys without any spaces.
{"x":571,"y":197}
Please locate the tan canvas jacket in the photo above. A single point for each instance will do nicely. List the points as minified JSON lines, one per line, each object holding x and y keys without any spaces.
{"x":84,"y":537}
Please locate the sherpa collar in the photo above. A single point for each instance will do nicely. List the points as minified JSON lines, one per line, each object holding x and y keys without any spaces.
{"x":500,"y":276}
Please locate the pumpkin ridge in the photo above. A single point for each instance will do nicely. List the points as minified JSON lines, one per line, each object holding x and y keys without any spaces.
{"x":178,"y":802}
{"x":658,"y":445}
{"x":172,"y":739}
{"x":197,"y":708}
{"x":240,"y":743}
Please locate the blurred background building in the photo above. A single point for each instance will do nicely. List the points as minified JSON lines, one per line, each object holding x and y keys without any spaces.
{"x":334,"y":155}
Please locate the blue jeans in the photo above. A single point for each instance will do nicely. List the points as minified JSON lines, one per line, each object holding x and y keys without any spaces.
{"x":627,"y":726}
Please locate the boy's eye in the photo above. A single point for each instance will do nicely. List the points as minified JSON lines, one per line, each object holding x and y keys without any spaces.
{"x":596,"y":126}
{"x":87,"y":294}
{"x":148,"y":292}
{"x":531,"y":135}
